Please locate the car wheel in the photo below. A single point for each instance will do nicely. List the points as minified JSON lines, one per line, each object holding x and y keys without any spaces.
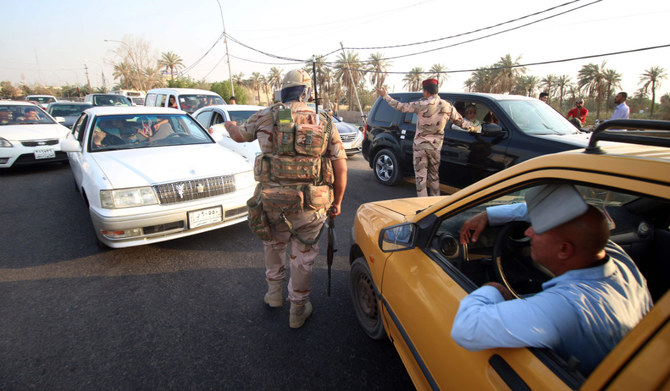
{"x":365,"y":300}
{"x":387,"y":169}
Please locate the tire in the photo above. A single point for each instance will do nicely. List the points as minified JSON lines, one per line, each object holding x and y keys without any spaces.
{"x":366,"y":303}
{"x":386,"y":167}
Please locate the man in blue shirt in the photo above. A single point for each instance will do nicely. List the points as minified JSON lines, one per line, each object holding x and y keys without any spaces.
{"x":595,"y":298}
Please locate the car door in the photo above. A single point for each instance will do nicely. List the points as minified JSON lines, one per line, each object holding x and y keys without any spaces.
{"x":467,"y":158}
{"x":76,"y":163}
{"x":205,"y":118}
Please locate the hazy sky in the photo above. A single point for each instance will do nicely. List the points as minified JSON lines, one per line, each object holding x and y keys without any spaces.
{"x":50,"y":41}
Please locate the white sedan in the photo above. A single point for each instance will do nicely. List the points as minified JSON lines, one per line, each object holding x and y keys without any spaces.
{"x":28,"y":135}
{"x":213,"y":117}
{"x":150,"y":174}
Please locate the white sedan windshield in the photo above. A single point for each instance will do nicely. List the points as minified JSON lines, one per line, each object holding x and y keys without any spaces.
{"x":114,"y":132}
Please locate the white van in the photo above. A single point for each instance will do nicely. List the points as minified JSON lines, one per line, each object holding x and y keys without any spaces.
{"x":137,"y":97}
{"x":187,"y":99}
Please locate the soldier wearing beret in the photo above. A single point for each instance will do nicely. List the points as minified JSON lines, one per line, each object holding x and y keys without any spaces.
{"x":432,"y":115}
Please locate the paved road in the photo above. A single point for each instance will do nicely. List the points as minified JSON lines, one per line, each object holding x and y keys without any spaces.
{"x":183,"y":314}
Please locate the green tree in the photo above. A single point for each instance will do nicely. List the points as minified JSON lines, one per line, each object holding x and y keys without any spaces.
{"x":413,"y":79}
{"x":377,"y":66}
{"x":256,"y":85}
{"x":439,"y":72}
{"x":349,"y":72}
{"x":223,"y":88}
{"x":274,"y":78}
{"x":612,"y":80}
{"x":650,"y":80}
{"x":548,"y":83}
{"x":506,"y":73}
{"x":562,"y":83}
{"x":591,"y":79}
{"x":172,"y":63}
{"x":481,"y":80}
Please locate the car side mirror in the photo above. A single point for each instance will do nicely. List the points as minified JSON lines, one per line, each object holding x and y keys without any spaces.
{"x":492,"y":130}
{"x":339,"y":118}
{"x":397,"y":237}
{"x":70,"y":145}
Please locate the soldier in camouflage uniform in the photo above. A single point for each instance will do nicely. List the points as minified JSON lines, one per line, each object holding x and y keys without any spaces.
{"x":432,"y":114}
{"x":298,"y":228}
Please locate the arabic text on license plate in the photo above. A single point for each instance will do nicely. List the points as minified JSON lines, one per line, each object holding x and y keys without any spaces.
{"x":199,"y":218}
{"x":47,"y":153}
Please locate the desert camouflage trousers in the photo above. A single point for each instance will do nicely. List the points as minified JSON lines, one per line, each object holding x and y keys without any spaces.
{"x":308,"y":225}
{"x":427,"y":168}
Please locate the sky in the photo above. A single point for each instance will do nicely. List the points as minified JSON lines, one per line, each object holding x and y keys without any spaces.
{"x":52,"y":42}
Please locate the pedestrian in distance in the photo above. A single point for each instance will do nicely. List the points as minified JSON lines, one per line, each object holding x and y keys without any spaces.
{"x":622,"y":110}
{"x":432,"y":115}
{"x":302,"y":175}
{"x":544,"y":97}
{"x":578,"y":113}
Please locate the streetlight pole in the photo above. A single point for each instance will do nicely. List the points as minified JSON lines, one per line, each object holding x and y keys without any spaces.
{"x":225,"y":42}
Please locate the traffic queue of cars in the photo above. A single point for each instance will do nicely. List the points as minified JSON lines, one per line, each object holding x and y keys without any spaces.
{"x":409,"y":270}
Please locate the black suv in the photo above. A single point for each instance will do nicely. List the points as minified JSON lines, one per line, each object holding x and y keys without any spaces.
{"x":514,"y":128}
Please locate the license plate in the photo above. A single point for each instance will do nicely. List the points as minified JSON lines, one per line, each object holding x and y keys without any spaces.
{"x":47,"y":153}
{"x":202,"y":217}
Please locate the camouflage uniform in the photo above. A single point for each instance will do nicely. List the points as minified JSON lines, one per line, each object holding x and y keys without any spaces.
{"x":432,"y":115}
{"x":306,"y":224}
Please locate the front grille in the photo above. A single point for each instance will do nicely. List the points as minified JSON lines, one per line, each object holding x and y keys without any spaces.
{"x":170,"y":193}
{"x":38,"y":143}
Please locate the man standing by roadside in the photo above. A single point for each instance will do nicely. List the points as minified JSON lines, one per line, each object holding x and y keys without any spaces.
{"x":303,"y":175}
{"x":578,"y":113}
{"x":622,"y":110}
{"x":432,"y":114}
{"x":544,"y":97}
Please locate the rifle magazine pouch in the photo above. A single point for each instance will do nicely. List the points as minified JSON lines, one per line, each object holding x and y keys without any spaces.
{"x":262,"y":168}
{"x":284,"y":140}
{"x":327,"y":172}
{"x":295,"y":168}
{"x":282,"y":199}
{"x":258,"y":220}
{"x":318,"y":197}
{"x":310,"y":140}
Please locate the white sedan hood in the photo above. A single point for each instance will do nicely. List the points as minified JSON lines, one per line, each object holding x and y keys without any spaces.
{"x":148,"y":166}
{"x":33,"y":132}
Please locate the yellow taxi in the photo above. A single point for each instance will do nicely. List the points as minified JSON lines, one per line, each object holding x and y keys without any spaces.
{"x":409,"y":270}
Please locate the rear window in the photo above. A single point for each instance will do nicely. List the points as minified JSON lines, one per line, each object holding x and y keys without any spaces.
{"x":67,"y":110}
{"x":384,"y":112}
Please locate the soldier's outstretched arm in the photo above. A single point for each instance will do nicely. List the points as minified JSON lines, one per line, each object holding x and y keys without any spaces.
{"x":234,"y":131}
{"x":339,"y":185}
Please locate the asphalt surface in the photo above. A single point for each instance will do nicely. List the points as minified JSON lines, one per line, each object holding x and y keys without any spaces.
{"x":182,"y":314}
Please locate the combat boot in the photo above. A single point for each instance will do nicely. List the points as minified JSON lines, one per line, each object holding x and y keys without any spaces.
{"x":299,"y":313}
{"x":274,"y":297}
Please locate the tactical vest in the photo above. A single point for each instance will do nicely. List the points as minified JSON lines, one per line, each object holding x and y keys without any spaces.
{"x":297,"y":162}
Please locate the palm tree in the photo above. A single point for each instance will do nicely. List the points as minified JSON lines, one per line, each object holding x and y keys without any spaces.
{"x":413,"y":79}
{"x":274,"y":78}
{"x":256,"y":84}
{"x":377,"y":68}
{"x":507,"y":73}
{"x":591,"y":79}
{"x":481,"y":80}
{"x":348,"y":71}
{"x":123,"y":71}
{"x":549,"y":83}
{"x":650,"y":79}
{"x":266,"y":86}
{"x":172,"y":62}
{"x":562,"y":82}
{"x":238,"y":78}
{"x":526,"y":85}
{"x":439,"y":72}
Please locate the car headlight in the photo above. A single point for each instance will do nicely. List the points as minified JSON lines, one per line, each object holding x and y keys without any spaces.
{"x":127,"y":198}
{"x":4,"y":143}
{"x":244,"y":180}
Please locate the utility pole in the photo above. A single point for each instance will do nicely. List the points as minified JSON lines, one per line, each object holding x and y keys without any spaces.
{"x":225,"y":42}
{"x":87,"y":79}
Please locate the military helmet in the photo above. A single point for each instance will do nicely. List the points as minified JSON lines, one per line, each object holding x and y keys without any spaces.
{"x":296,"y":77}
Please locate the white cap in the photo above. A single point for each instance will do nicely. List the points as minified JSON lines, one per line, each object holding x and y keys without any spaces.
{"x":550,"y":206}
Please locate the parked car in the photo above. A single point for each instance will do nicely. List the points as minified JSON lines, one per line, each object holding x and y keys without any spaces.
{"x":351,"y":135}
{"x":213,"y":117}
{"x":409,"y":270}
{"x":70,"y":111}
{"x":42,"y":100}
{"x":26,"y":139}
{"x":150,"y":174}
{"x":514,"y":129}
{"x":187,"y":99}
{"x":107,"y":100}
{"x":136,"y":97}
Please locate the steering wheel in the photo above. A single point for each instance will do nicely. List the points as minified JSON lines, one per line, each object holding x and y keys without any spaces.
{"x":514,"y":267}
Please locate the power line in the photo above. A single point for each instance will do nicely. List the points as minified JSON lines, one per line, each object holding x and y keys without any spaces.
{"x":460,"y":34}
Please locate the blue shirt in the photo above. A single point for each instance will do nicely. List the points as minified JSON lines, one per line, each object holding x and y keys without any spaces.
{"x":582,"y":313}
